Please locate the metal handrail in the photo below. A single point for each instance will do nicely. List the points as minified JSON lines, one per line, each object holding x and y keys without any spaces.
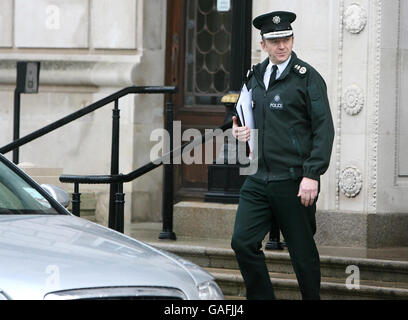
{"x":116,"y":199}
{"x":116,"y":180}
{"x":84,"y":111}
{"x":124,"y":178}
{"x":117,"y":218}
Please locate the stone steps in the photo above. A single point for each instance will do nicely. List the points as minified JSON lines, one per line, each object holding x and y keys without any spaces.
{"x":204,"y":231}
{"x":286,"y":287}
{"x":88,"y":206}
{"x":279,"y":262}
{"x":379,"y":279}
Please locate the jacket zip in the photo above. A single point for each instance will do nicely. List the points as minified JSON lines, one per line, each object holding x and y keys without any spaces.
{"x":263,"y":140}
{"x":263,"y":134}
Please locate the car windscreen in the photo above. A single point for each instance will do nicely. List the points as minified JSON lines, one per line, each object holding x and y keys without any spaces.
{"x":19,"y":197}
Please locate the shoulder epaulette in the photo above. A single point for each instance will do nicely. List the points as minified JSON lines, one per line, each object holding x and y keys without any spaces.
{"x":300,"y":70}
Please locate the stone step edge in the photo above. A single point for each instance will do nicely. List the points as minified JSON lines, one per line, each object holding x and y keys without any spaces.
{"x":324,"y":279}
{"x":383,"y":270}
{"x":341,"y":289}
{"x":373,"y":264}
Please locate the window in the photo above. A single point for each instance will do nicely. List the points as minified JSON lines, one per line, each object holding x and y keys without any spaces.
{"x":208,"y":53}
{"x":18,"y":197}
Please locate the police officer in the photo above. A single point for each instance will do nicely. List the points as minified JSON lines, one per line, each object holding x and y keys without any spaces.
{"x":295,"y":137}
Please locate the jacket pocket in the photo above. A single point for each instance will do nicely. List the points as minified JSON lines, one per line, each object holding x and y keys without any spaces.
{"x":295,"y":142}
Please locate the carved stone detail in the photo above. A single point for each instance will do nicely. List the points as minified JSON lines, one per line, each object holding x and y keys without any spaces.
{"x":351,"y":182}
{"x":374,"y":113}
{"x":353,"y":100}
{"x":338,"y":106}
{"x":355,"y":18}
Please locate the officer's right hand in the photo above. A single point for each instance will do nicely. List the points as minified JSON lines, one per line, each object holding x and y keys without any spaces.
{"x":240,"y":133}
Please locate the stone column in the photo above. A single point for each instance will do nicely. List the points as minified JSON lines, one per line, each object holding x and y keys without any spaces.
{"x":389,"y":226}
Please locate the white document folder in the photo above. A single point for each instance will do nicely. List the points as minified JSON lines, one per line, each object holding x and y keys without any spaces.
{"x":246,"y":115}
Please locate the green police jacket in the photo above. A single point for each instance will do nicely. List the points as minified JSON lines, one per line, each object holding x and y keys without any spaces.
{"x":294,"y":122}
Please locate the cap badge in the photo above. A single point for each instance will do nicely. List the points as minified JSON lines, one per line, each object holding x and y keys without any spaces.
{"x":276,"y":19}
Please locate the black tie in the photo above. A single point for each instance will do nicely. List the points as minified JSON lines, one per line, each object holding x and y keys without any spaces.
{"x":273,"y":75}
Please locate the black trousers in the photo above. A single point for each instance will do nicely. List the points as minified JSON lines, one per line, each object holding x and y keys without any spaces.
{"x":259,"y":203}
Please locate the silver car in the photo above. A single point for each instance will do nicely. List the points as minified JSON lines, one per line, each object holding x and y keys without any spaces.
{"x":48,"y":253}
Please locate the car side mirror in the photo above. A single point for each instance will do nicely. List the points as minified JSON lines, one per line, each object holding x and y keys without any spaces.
{"x":58,"y":194}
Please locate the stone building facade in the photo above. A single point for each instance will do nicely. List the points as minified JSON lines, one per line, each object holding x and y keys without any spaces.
{"x":89,"y":49}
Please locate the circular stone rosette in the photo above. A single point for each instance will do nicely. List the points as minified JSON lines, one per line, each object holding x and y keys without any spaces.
{"x":351,"y":182}
{"x":353,"y":100}
{"x":355,"y":18}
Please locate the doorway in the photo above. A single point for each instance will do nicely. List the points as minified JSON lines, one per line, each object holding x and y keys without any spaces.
{"x":198,"y":62}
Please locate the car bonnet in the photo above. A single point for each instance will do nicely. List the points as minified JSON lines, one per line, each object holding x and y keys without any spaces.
{"x":42,"y":254}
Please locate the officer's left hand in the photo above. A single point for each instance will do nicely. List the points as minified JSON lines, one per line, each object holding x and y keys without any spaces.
{"x":308,"y":190}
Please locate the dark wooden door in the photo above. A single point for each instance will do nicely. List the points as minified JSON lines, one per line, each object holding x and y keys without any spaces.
{"x":198,"y":54}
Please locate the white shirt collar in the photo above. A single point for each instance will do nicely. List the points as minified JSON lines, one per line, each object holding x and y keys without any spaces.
{"x":281,"y":67}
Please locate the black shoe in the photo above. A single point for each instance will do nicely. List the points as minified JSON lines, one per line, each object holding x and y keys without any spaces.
{"x":274,"y":245}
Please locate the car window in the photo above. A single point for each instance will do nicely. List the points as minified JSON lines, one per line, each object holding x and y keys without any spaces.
{"x":18,"y":197}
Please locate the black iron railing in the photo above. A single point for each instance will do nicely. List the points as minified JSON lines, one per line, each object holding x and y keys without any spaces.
{"x":116,"y":180}
{"x":115,"y":187}
{"x":117,"y":215}
{"x":82,"y":112}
